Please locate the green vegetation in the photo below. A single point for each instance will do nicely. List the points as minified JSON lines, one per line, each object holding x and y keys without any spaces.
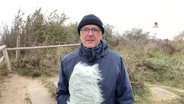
{"x":148,"y":60}
{"x":3,"y":71}
{"x":154,"y":66}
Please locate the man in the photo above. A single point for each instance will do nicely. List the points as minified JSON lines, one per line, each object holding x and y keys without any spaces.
{"x":93,"y":74}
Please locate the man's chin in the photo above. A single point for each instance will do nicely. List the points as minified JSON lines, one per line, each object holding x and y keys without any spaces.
{"x":90,"y":45}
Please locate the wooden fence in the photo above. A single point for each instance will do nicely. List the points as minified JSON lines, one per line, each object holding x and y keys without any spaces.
{"x":5,"y":53}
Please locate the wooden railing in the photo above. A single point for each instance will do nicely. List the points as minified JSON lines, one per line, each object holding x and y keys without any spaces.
{"x":39,"y":47}
{"x":5,"y":53}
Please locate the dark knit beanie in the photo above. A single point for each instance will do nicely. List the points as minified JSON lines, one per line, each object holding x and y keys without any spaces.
{"x":90,"y":19}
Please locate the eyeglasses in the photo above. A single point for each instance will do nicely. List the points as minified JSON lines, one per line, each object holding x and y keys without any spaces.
{"x":86,"y":30}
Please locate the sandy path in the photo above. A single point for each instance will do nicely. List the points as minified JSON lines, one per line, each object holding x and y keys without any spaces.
{"x":16,"y":89}
{"x":13,"y":89}
{"x":160,"y":94}
{"x":39,"y":94}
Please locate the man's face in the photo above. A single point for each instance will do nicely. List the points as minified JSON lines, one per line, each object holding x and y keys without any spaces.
{"x":90,"y":35}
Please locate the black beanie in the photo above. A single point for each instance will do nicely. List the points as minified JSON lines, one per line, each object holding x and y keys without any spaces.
{"x":90,"y":19}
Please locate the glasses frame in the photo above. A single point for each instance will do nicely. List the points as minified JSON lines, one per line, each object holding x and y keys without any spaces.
{"x":94,"y":30}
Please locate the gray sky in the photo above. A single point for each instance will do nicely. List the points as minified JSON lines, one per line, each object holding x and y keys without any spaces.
{"x":122,"y":14}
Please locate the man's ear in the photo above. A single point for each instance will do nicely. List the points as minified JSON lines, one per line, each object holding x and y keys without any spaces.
{"x":101,"y":36}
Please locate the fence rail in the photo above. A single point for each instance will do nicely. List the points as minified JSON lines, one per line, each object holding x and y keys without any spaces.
{"x":39,"y":47}
{"x":5,"y":53}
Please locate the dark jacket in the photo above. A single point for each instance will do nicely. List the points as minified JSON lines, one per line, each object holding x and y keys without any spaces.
{"x":115,"y":86}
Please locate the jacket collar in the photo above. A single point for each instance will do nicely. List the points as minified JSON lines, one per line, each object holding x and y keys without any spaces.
{"x":90,"y":54}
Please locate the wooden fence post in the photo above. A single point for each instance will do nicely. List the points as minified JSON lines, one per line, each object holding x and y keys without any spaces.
{"x":5,"y":54}
{"x":18,"y":45}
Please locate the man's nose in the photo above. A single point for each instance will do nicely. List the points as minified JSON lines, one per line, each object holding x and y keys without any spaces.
{"x":90,"y":32}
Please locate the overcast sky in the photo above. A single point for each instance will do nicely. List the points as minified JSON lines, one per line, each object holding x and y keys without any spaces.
{"x":122,"y":14}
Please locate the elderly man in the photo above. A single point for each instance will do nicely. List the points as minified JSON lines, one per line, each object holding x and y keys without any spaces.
{"x":93,"y":74}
